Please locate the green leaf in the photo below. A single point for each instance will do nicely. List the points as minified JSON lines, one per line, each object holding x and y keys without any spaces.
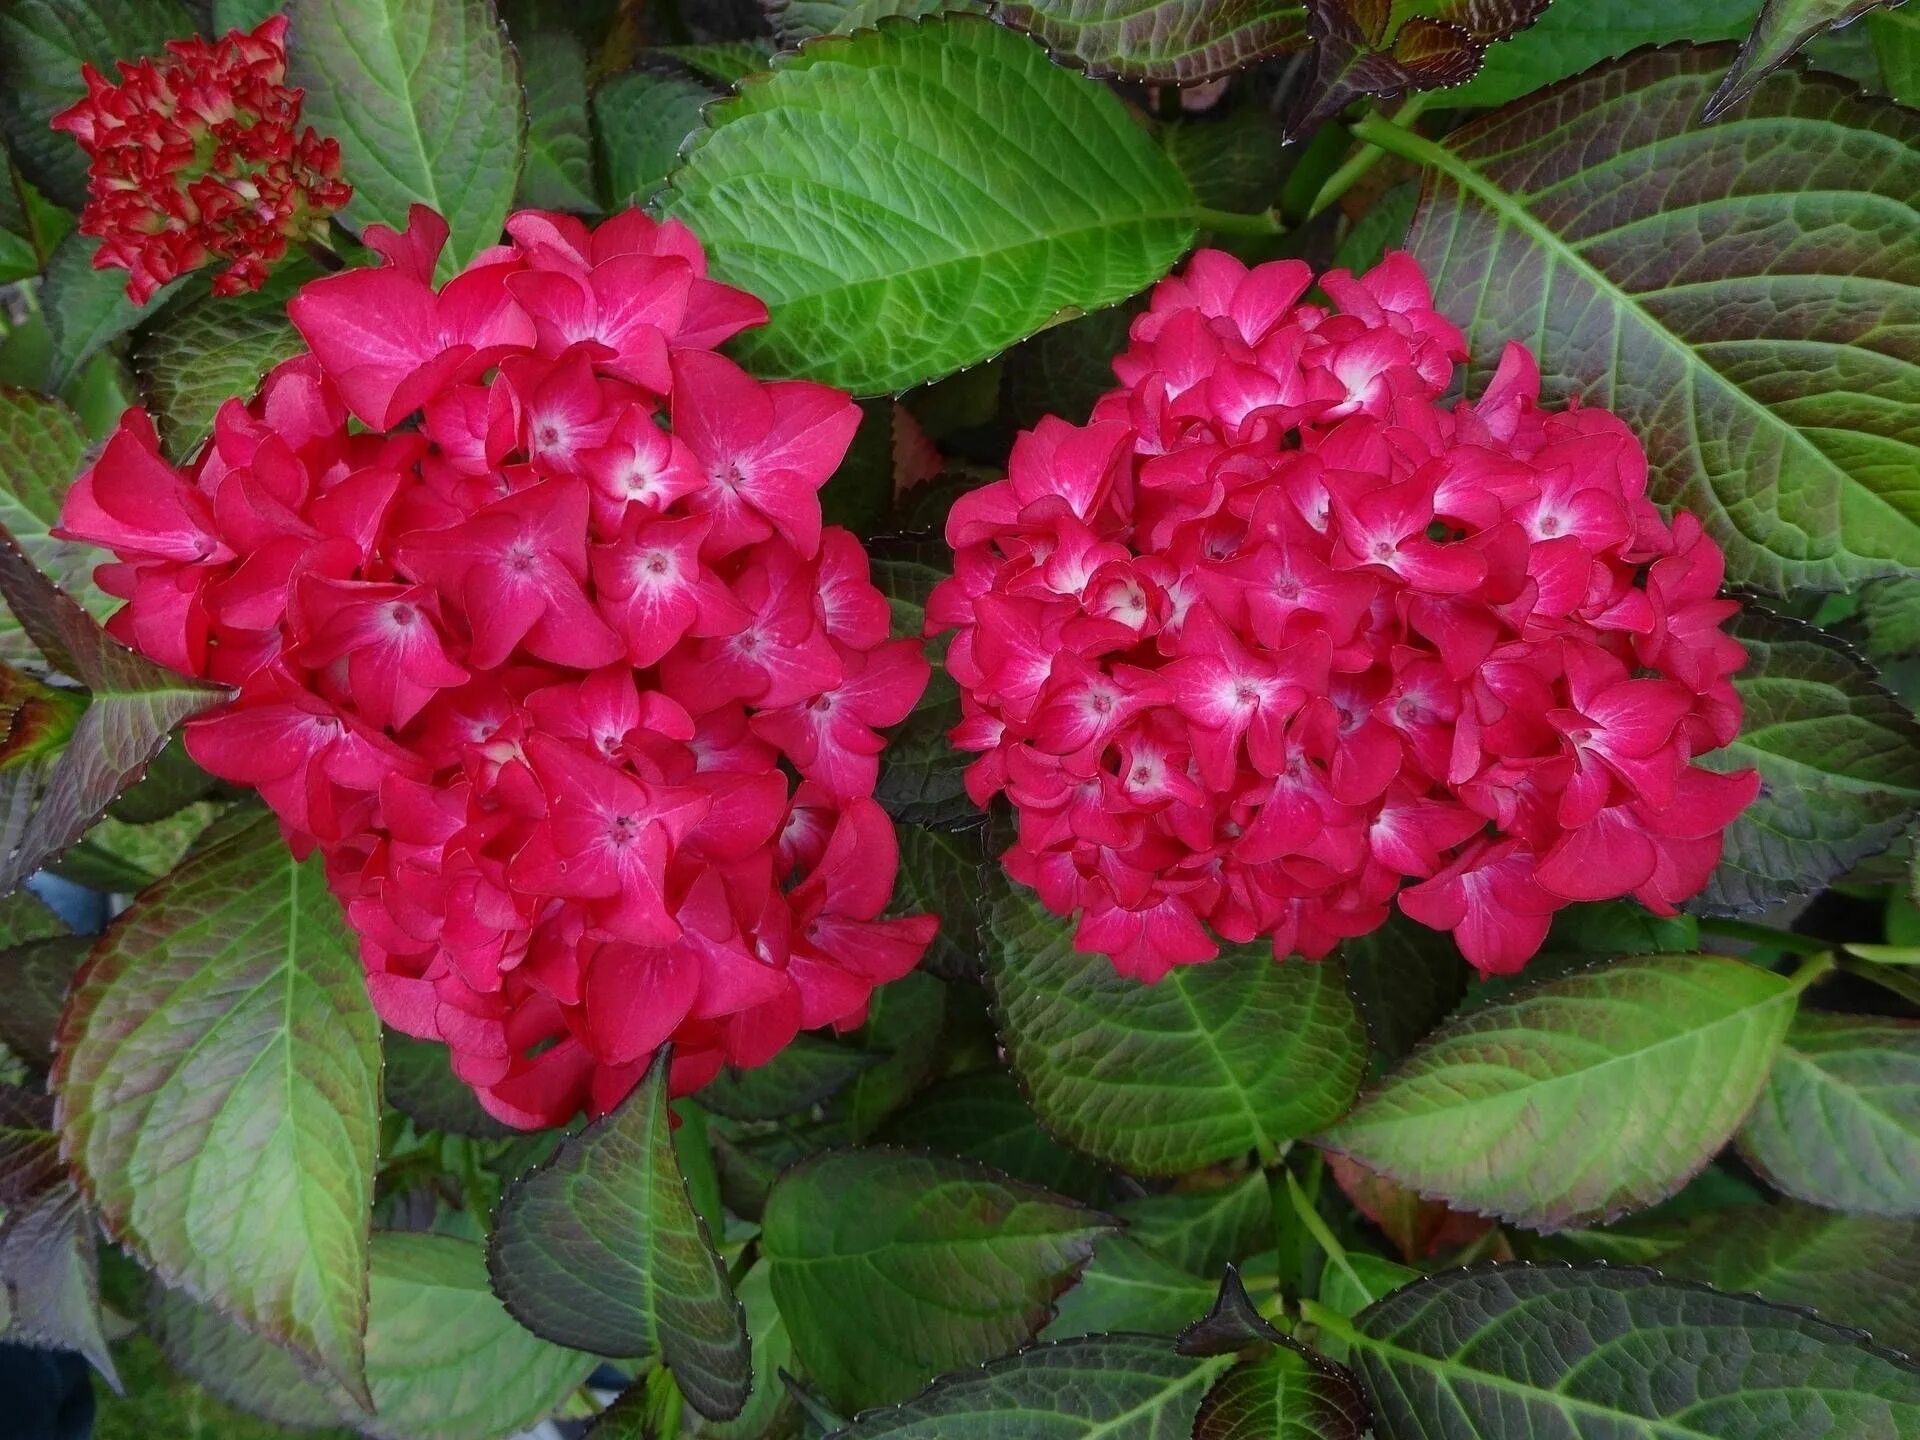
{"x":642,"y":118}
{"x":1772,"y":401}
{"x":49,"y":1274}
{"x":982,"y":1117}
{"x":424,"y":97}
{"x":1364,"y":48}
{"x":1283,"y":1394}
{"x":1066,"y":368}
{"x":34,"y":978}
{"x":1570,"y":38}
{"x":1506,"y":1350}
{"x":1405,"y":979}
{"x":1859,"y":1270}
{"x":43,"y":44}
{"x":239,"y":1367}
{"x":1103,"y":1387}
{"x":444,"y":1359}
{"x":1382,"y":228}
{"x":87,"y":308}
{"x":1180,"y":42}
{"x":1232,"y":158}
{"x":1839,"y":1121}
{"x":726,"y":62}
{"x":1890,"y":610}
{"x":1127,"y":1286}
{"x":1839,"y":763}
{"x":218,"y":1070}
{"x":940,"y":875}
{"x":418,"y":1081}
{"x":25,"y":917}
{"x":810,"y":1071}
{"x":1896,"y":41}
{"x":912,"y":199}
{"x":797,"y":20}
{"x":769,"y":1406}
{"x":922,"y":777}
{"x":1203,"y":1231}
{"x":213,"y":349}
{"x":49,"y":800}
{"x":1240,"y":1054}
{"x":904,"y":1021}
{"x":601,"y":1249}
{"x":1783,"y":27}
{"x":41,"y":448}
{"x":1581,"y":1098}
{"x":172,"y":783}
{"x":558,"y":173}
{"x":892,"y":1267}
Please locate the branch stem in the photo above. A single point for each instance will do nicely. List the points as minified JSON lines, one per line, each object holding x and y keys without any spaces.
{"x":1368,"y":155}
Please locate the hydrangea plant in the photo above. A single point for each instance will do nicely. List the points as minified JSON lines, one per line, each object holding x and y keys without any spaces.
{"x":1122,"y":718}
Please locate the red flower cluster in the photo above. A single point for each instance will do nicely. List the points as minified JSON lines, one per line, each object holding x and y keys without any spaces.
{"x":201,"y":158}
{"x":1276,"y":633}
{"x":525,"y":671}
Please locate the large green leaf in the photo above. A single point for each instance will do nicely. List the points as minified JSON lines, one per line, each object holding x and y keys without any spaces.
{"x":1240,"y":1054}
{"x":1774,"y":383}
{"x":642,"y":118}
{"x":1896,"y":43}
{"x":891,"y":1267}
{"x":1783,"y":27}
{"x":218,"y":1071}
{"x":769,"y":1405}
{"x":1405,"y":978}
{"x":796,"y":20}
{"x":1129,"y":1286}
{"x":444,"y":1360}
{"x":424,"y":97}
{"x":1570,"y":38}
{"x":1203,"y":1230}
{"x":417,"y":1079}
{"x":41,"y":448}
{"x":214,"y":349}
{"x":1839,"y":1121}
{"x":34,"y":978}
{"x":558,"y":174}
{"x":1839,"y":763}
{"x":940,"y":875}
{"x":43,"y":43}
{"x":87,"y":308}
{"x":238,"y":1366}
{"x":1103,"y":1387}
{"x":1177,"y":41}
{"x":1581,"y":1098}
{"x":809,"y":1071}
{"x":1502,"y":1351}
{"x":49,"y":799}
{"x":1854,"y":1269}
{"x":601,"y":1249}
{"x":912,"y":199}
{"x":901,"y":1037}
{"x":983,"y":1117}
{"x":1283,"y":1394}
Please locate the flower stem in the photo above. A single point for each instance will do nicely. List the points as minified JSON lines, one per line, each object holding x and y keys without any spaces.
{"x":1335,"y":1252}
{"x":1316,"y":1314}
{"x":1234,"y":222}
{"x":1367,"y":156}
{"x":1783,"y":940}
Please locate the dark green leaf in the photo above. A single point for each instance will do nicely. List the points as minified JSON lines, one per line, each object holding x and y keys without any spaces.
{"x":892,"y":1267}
{"x":424,"y":97}
{"x":1240,"y":1054}
{"x":1500,"y":1351}
{"x":218,"y":1070}
{"x":241,"y":1368}
{"x":34,"y":979}
{"x":796,"y":20}
{"x":1783,"y":27}
{"x":171,"y":784}
{"x":1839,"y":1121}
{"x":1600,"y":1092}
{"x":419,"y":1082}
{"x":213,"y":349}
{"x":1570,"y":38}
{"x":1233,"y":158}
{"x":1890,"y":610}
{"x":444,"y":1360}
{"x":1203,"y":1230}
{"x":643,"y":117}
{"x":1839,"y":763}
{"x":1066,"y":368}
{"x":25,"y":917}
{"x":49,"y":1276}
{"x":903,"y":1025}
{"x":1773,"y":400}
{"x":43,"y":44}
{"x":1231,"y":1325}
{"x":49,"y":800}
{"x":982,"y":1117}
{"x":1103,"y":1387}
{"x":940,"y":875}
{"x":558,"y":174}
{"x":1178,"y":41}
{"x":117,"y":857}
{"x":1283,"y":1394}
{"x":811,"y":1070}
{"x":770,"y":1409}
{"x":601,"y":1249}
{"x":87,"y":308}
{"x":1364,"y":48}
{"x":1382,"y":228}
{"x":750,"y":1155}
{"x":1128,"y":1286}
{"x":1405,"y":979}
{"x":41,"y":448}
{"x":1896,"y":41}
{"x":1853,"y":1269}
{"x":922,"y":777}
{"x":841,"y":190}
{"x":727,"y":62}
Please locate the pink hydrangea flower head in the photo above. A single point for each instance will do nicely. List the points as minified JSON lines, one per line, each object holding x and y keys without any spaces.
{"x":199,"y":158}
{"x":526,"y":672}
{"x":1278,"y":639}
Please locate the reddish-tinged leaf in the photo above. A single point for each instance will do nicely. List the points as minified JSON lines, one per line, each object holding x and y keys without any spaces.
{"x":34,"y":979}
{"x":51,"y":796}
{"x":1417,"y":1227}
{"x":218,"y":1073}
{"x":1180,"y":42}
{"x":1783,"y":27}
{"x":1378,"y":47}
{"x":1284,"y":1393}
